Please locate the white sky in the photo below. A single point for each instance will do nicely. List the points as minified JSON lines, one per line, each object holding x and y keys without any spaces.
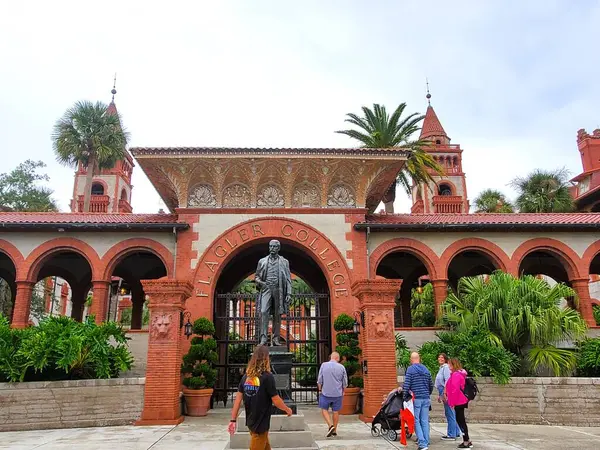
{"x":512,"y":81}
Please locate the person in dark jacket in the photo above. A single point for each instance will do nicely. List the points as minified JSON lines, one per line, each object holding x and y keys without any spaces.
{"x":418,"y":382}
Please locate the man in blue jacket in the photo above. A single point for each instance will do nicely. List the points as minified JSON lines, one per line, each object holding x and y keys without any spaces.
{"x":418,"y":382}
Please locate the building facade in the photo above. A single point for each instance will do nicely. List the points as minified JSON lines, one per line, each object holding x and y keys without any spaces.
{"x":228,"y":203}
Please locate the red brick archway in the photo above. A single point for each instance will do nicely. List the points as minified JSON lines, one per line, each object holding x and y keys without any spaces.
{"x":119,"y":251}
{"x":489,"y":249}
{"x":588,"y":256}
{"x":566,"y":255}
{"x":15,"y":256}
{"x":290,"y":232}
{"x":411,"y":246}
{"x":37,"y":257}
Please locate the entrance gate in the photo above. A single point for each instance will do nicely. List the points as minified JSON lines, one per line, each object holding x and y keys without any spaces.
{"x":306,"y":330}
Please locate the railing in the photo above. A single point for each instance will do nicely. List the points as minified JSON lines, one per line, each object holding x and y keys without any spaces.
{"x":451,"y":204}
{"x":124,"y":206}
{"x":418,"y":207}
{"x":98,"y":203}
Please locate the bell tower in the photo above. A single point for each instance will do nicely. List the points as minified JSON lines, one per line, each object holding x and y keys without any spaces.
{"x":111,"y":188}
{"x":447,"y":193}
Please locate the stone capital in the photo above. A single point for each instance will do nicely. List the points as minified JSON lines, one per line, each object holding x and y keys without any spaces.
{"x":167,"y":293}
{"x":376,"y":292}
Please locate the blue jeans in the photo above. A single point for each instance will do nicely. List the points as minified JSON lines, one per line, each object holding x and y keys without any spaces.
{"x":453,"y":429}
{"x":422,"y":420}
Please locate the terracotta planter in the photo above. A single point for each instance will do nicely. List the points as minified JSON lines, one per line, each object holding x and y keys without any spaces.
{"x":197,"y":401}
{"x":349,"y":401}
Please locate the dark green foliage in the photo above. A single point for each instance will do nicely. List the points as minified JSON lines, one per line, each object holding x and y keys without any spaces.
{"x":199,"y":360}
{"x":347,"y":346}
{"x":422,"y":307}
{"x":343,"y":322}
{"x":19,"y":190}
{"x":588,"y":361}
{"x":596,"y":310}
{"x":306,"y":353}
{"x":357,"y":382}
{"x":402,"y":352}
{"x":127,"y":313}
{"x":60,"y":348}
{"x":544,"y":191}
{"x":479,"y":354}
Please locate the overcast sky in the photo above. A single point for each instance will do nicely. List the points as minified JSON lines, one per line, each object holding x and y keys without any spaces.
{"x":512,"y":81}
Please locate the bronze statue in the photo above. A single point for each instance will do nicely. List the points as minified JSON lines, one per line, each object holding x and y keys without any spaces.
{"x":274,"y":279}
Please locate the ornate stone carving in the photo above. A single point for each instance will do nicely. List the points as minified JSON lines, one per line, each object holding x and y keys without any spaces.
{"x":341,"y":196}
{"x":236,"y":196}
{"x":202,"y":195}
{"x":161,"y":326}
{"x":271,"y":196}
{"x":380,"y":325}
{"x":306,"y":195}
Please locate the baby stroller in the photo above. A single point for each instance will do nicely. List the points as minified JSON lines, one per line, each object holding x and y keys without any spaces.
{"x":387,"y":420}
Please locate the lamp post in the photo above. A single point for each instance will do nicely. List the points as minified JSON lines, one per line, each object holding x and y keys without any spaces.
{"x":188,"y":325}
{"x":358,"y":315}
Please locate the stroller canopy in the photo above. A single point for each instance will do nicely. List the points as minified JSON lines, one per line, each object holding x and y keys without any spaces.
{"x":393,"y":405}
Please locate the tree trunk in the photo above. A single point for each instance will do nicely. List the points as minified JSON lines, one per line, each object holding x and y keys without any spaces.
{"x":87,"y":193}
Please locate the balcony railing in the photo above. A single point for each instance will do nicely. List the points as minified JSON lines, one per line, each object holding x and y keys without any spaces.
{"x":124,"y":206}
{"x":418,"y":207}
{"x":98,"y":203}
{"x":451,"y":204}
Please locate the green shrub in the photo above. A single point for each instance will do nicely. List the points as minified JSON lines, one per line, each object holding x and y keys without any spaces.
{"x":596,"y":310}
{"x":60,"y":348}
{"x":402,"y":352}
{"x":199,"y":361}
{"x":478,"y":353}
{"x":347,"y":347}
{"x":588,"y":361}
{"x":422,"y":307}
{"x":357,"y":382}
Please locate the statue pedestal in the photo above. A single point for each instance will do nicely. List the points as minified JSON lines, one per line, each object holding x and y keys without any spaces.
{"x":281,"y":368}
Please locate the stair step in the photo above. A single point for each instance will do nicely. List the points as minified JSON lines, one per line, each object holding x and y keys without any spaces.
{"x":278,"y":423}
{"x":278,"y":439}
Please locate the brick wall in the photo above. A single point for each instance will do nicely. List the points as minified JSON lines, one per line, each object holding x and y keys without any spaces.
{"x":541,"y":401}
{"x":67,"y":404}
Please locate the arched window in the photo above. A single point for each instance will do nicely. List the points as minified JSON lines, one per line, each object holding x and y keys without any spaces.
{"x":124,"y":195}
{"x":438,"y":142}
{"x":97,"y":189}
{"x":444,"y":189}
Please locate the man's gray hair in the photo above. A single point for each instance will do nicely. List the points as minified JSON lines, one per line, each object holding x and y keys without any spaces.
{"x":274,"y":241}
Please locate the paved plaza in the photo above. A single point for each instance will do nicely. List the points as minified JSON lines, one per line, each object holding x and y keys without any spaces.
{"x":210,"y":434}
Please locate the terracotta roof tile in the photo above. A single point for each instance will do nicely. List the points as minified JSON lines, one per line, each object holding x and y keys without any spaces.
{"x":174,"y":151}
{"x":500,"y":220}
{"x":431,"y":125}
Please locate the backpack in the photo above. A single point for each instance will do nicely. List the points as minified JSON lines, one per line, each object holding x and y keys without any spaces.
{"x":470,"y":390}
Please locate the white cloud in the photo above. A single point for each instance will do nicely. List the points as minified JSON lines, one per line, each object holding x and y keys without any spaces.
{"x":511,"y":81}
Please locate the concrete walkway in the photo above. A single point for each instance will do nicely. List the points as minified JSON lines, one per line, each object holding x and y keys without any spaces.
{"x":210,"y":434}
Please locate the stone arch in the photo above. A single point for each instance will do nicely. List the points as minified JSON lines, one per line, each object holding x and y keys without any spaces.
{"x":570,"y":261}
{"x":260,"y":230}
{"x":117,"y":252}
{"x":38,"y":256}
{"x":16,"y":257}
{"x":412,"y":246}
{"x":449,"y":183}
{"x":488,"y":248}
{"x":589,"y":255}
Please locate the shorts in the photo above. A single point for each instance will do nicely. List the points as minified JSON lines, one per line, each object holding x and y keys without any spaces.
{"x":325,"y":402}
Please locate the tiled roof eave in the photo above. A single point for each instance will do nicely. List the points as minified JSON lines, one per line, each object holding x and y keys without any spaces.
{"x":90,"y":226}
{"x":270,"y":152}
{"x":474,"y":226}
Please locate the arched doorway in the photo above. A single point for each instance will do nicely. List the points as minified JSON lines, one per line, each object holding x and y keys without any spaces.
{"x":305,"y":328}
{"x":470,"y":263}
{"x":8,"y":288}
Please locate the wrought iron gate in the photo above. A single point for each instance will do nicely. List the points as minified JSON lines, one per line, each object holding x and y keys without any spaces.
{"x":306,"y":329}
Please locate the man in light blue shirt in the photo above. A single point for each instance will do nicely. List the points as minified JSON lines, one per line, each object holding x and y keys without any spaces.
{"x":332,"y":381}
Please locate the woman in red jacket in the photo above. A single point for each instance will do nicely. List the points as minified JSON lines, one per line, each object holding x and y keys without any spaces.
{"x":457,"y":399}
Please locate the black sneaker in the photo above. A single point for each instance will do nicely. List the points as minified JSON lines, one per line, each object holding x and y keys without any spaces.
{"x":334,"y":432}
{"x":465,"y":445}
{"x":448,"y":438}
{"x":331,"y":431}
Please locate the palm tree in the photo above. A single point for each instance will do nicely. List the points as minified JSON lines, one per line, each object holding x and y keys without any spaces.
{"x":543,"y":192}
{"x":521,"y":314}
{"x":380,"y":130}
{"x":90,"y":135}
{"x":492,"y":201}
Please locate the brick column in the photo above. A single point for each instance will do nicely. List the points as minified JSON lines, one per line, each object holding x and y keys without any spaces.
{"x":100,"y":290}
{"x":163,"y":378}
{"x":582,"y":288}
{"x":377,"y":301}
{"x":440,"y":292}
{"x":22,"y":304}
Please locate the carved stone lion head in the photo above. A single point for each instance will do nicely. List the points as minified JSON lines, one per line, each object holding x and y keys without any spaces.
{"x":161,"y":325}
{"x":380,"y":323}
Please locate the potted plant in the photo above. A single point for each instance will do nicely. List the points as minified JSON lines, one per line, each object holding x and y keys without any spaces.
{"x":347,"y":347}
{"x":198,"y":366}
